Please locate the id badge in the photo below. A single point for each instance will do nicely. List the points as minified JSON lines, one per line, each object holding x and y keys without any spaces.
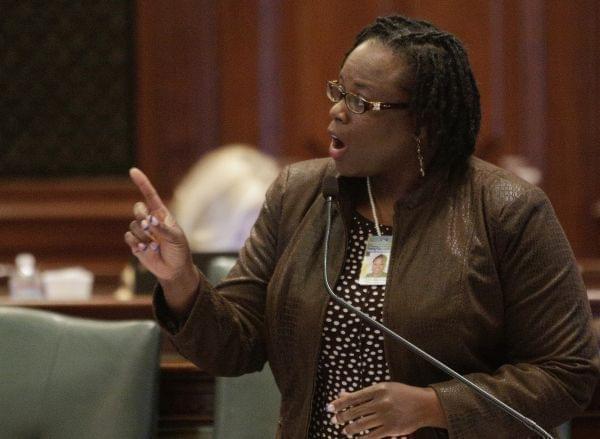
{"x":376,"y":260}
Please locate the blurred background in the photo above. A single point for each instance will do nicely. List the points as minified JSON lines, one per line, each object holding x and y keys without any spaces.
{"x":90,"y":88}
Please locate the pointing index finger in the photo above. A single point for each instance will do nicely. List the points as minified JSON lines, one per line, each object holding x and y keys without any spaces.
{"x":153,"y":200}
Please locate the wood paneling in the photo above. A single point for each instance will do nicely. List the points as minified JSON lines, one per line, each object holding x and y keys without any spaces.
{"x":573,"y":149}
{"x":177,"y":87}
{"x":68,"y":222}
{"x":237,"y":66}
{"x":212,"y":72}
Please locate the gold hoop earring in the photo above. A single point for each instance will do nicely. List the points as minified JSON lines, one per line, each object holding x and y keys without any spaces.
{"x":420,"y":156}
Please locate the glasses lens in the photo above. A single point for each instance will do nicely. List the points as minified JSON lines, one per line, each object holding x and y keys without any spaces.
{"x":354,"y":103}
{"x":333,"y":92}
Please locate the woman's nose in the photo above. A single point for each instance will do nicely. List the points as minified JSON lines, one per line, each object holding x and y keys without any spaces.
{"x":339,"y":111}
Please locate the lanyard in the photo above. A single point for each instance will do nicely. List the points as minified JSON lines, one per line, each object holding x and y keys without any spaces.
{"x":373,"y":210}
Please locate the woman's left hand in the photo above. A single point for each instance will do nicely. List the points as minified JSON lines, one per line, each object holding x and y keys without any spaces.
{"x":387,"y":410}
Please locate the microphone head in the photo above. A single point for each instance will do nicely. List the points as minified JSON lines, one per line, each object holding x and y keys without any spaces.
{"x":330,"y":187}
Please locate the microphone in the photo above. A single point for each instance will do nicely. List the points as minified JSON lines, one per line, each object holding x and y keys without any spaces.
{"x":330,"y":188}
{"x":330,"y":192}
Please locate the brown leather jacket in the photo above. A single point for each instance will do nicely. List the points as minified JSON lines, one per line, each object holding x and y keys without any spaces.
{"x":481,"y":276}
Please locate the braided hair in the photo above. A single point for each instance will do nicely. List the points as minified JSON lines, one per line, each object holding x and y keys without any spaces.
{"x":445,"y":99}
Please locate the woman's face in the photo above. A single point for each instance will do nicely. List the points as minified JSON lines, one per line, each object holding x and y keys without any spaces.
{"x":377,"y":266}
{"x":375,"y":142}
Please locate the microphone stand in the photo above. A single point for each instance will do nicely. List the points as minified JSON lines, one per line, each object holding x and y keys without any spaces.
{"x":434,"y":361}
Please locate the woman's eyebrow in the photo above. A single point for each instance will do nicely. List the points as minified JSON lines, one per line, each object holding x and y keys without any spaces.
{"x":362,"y":86}
{"x":359,"y":85}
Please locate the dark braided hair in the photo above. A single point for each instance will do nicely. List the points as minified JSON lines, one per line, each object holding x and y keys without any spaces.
{"x":444,"y":99}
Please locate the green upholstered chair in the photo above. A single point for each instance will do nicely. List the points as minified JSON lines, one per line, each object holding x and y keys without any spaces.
{"x":64,"y":377}
{"x":246,"y":407}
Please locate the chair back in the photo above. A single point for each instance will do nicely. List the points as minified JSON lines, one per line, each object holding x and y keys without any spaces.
{"x":246,"y":407}
{"x":65,"y":377}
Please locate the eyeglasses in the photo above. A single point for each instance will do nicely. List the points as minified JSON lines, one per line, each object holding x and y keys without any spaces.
{"x":357,"y":104}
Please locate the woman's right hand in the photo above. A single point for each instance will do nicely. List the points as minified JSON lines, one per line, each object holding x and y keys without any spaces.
{"x":161,"y":246}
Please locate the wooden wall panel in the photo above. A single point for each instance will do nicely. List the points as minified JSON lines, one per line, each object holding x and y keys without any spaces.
{"x":211,"y":72}
{"x":177,"y":76}
{"x":237,"y":99}
{"x":573,"y":112}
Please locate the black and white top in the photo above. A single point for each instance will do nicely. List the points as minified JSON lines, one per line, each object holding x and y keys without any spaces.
{"x":352,"y":355}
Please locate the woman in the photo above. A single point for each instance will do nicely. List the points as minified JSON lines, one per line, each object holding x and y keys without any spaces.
{"x":378,"y":267}
{"x":480,"y":273}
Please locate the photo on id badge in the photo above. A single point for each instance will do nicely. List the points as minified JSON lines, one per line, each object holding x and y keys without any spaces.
{"x":374,"y":266}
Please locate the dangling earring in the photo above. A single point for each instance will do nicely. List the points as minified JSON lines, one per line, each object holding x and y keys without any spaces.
{"x":420,"y":156}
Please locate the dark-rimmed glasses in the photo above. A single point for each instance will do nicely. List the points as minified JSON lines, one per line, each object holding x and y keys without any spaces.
{"x":357,"y":104}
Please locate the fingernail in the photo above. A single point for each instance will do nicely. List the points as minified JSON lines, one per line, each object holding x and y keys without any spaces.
{"x":141,"y":246}
{"x":154,"y":246}
{"x":145,"y":224}
{"x":334,"y":420}
{"x":330,"y":408}
{"x":153,"y":220}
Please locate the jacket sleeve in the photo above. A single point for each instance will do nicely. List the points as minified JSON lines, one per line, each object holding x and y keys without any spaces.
{"x":224,"y":332}
{"x":552,"y":364}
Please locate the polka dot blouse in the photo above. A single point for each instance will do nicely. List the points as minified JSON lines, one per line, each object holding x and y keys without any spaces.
{"x":352,"y":355}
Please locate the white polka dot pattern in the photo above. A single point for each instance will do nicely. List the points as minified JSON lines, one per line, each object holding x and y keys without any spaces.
{"x":352,"y":355}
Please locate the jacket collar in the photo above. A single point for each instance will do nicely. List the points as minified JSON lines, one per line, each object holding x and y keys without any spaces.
{"x":432,"y":186}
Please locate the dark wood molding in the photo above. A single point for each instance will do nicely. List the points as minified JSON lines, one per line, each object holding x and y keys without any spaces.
{"x":68,"y":222}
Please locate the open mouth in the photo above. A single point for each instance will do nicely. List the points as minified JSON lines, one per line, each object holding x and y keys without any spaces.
{"x":337,"y":148}
{"x":337,"y":143}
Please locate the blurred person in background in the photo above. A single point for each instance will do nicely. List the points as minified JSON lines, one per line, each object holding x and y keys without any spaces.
{"x":219,"y":199}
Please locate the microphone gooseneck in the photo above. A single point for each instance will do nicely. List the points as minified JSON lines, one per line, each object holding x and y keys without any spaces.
{"x":330,"y":191}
